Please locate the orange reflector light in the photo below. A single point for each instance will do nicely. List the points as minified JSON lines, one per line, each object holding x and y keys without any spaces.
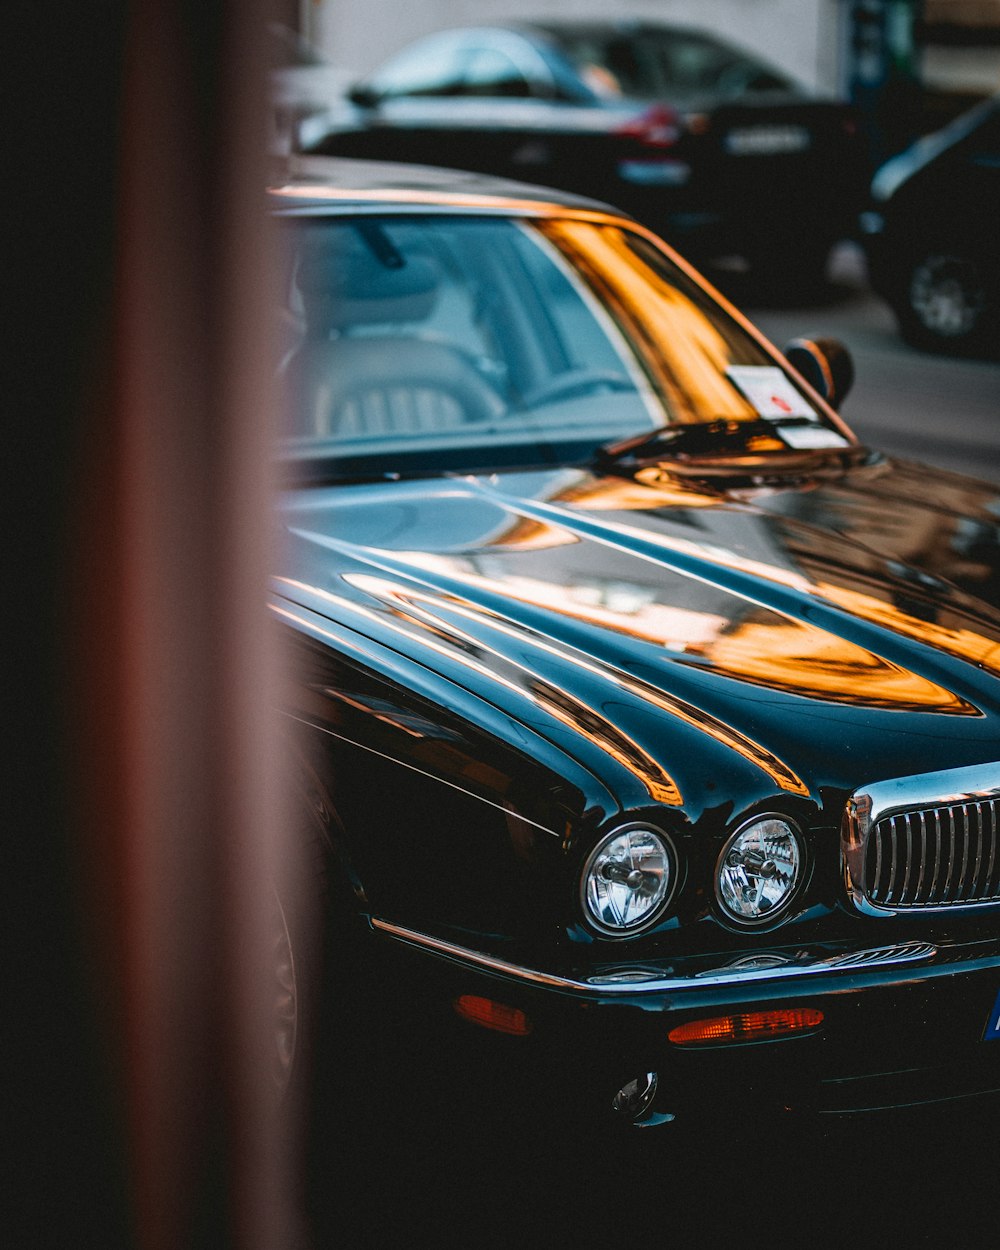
{"x":747,"y":1026}
{"x":493,"y":1015}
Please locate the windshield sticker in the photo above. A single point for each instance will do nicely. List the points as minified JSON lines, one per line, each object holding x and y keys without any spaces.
{"x":769,"y":391}
{"x":810,"y":436}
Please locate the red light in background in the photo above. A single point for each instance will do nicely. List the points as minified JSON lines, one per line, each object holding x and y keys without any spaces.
{"x":655,"y":127}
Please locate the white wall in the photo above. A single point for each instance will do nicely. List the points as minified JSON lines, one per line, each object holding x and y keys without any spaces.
{"x":800,"y":36}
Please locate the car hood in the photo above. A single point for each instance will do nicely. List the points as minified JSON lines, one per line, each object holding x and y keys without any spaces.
{"x":814,"y":636}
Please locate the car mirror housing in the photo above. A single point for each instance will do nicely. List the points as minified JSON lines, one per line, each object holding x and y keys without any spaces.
{"x":826,"y":365}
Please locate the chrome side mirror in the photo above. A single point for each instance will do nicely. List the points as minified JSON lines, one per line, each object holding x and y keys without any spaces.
{"x":826,"y":365}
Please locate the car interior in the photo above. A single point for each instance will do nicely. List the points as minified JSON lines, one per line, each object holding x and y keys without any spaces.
{"x":399,"y":331}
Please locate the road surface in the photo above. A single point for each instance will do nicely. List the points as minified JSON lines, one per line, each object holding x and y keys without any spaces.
{"x":936,"y":409}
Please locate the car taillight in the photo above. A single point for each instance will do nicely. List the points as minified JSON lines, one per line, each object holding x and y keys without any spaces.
{"x":655,"y":127}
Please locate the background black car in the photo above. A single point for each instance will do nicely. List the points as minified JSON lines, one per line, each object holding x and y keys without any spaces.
{"x":932,"y":235}
{"x":706,"y":144}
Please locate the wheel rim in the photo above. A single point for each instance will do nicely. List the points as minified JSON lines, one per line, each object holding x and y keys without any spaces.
{"x":947,"y":296}
{"x":285,"y":997}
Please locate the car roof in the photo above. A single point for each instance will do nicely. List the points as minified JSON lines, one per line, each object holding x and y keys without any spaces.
{"x":576,"y":25}
{"x":556,"y":30}
{"x":336,"y":183}
{"x":602,"y":25}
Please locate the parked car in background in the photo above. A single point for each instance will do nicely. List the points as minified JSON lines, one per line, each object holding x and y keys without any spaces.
{"x":705,"y":143}
{"x":648,"y":724}
{"x":933,"y":239}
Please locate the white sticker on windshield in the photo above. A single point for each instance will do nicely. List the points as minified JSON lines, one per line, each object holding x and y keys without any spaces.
{"x":809,"y":436}
{"x":769,"y":391}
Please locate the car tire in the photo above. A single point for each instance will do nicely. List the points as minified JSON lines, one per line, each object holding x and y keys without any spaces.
{"x":944,"y":304}
{"x":298,"y":924}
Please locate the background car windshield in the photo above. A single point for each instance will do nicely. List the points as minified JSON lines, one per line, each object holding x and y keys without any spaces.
{"x":442,"y":343}
{"x":664,"y":63}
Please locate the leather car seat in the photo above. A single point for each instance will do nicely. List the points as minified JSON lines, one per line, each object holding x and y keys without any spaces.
{"x":358,"y":372}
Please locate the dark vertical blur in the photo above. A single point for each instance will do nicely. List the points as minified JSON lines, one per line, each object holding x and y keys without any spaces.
{"x":144,"y":786}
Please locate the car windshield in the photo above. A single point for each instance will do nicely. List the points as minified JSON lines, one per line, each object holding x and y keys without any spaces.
{"x":653,"y":63}
{"x":442,"y":343}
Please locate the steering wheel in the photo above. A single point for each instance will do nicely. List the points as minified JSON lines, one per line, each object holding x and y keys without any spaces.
{"x":576,"y":382}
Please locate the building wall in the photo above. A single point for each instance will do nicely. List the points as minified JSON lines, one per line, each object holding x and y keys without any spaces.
{"x":800,"y":36}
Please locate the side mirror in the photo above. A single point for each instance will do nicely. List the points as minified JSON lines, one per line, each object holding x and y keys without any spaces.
{"x":825,"y":364}
{"x":363,"y":96}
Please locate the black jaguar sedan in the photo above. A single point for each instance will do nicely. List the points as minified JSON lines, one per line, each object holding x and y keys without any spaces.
{"x":704,"y":142}
{"x":648,"y":725}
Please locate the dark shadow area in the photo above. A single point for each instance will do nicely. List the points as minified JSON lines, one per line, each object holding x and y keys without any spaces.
{"x":922,"y":1180}
{"x":62,"y":1119}
{"x":842,"y":279}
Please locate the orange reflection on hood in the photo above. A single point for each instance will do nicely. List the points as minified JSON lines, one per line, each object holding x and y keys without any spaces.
{"x":784,"y":655}
{"x":598,"y":729}
{"x":965,"y":644}
{"x":424,"y":606}
{"x":651,"y":488}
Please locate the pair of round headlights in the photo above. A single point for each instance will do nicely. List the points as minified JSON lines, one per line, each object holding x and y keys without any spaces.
{"x":631,"y":875}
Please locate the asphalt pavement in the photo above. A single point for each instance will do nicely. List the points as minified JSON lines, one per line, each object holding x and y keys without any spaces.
{"x":921,"y":1179}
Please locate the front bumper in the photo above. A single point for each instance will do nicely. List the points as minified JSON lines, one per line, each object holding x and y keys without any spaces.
{"x":903,"y":1025}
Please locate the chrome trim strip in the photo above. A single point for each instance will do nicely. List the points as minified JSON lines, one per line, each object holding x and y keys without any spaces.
{"x":937,"y":854}
{"x":979,"y":850}
{"x":893,"y":857}
{"x":923,"y":853}
{"x":908,"y":871}
{"x":938,"y":793}
{"x":851,"y":961}
{"x":952,"y":839}
{"x":967,"y":893}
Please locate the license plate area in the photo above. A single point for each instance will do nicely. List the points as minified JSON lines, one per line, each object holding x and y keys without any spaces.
{"x":766,"y":140}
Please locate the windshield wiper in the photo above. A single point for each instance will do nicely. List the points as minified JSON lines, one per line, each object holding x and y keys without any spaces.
{"x":708,"y":439}
{"x":751,"y":449}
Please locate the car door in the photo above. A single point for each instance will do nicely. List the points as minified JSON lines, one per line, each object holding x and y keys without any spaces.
{"x":977,"y":188}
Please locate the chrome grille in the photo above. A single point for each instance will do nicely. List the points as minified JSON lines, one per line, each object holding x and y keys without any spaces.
{"x":929,"y":842}
{"x":935,"y":857}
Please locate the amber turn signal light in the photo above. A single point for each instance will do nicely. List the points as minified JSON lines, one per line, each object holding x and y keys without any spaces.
{"x":746,"y":1026}
{"x":493,"y":1015}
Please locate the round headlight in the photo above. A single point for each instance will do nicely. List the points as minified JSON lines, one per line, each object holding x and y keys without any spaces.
{"x":628,"y":880}
{"x":759,"y":870}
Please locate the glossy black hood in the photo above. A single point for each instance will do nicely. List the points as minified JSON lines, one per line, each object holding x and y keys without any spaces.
{"x":798,"y":640}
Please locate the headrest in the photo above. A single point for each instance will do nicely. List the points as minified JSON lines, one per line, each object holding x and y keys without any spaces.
{"x":344,"y":284}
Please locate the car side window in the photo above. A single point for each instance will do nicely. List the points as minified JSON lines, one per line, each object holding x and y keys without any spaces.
{"x":490,"y":72}
{"x":693,"y":64}
{"x":431,"y":67}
